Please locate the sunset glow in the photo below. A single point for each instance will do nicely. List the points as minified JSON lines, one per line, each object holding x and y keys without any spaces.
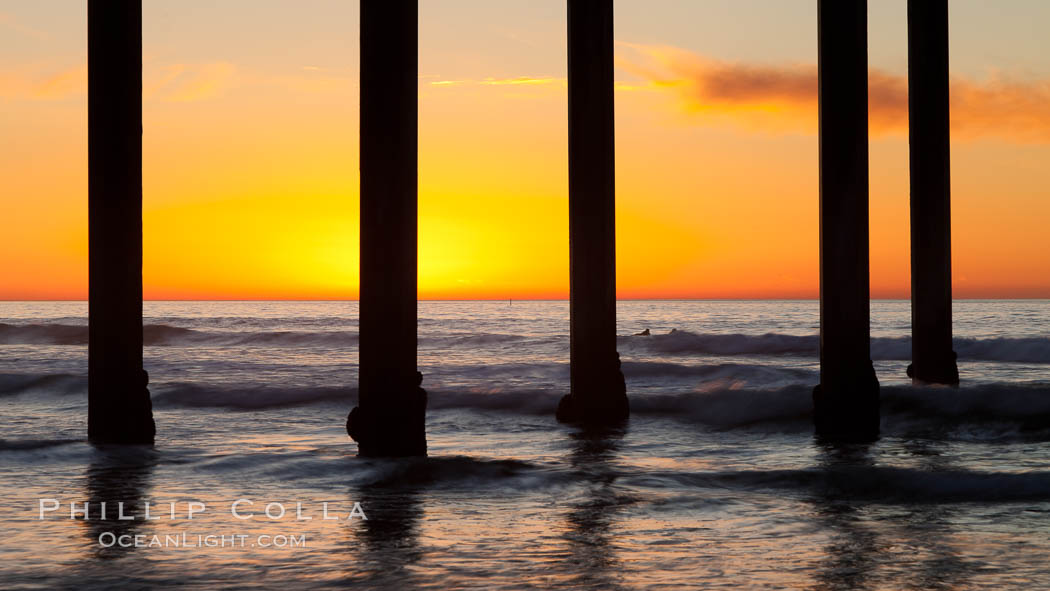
{"x":250,"y":151}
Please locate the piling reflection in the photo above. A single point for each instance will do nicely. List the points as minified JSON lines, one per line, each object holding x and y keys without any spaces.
{"x":930,"y":528}
{"x":850,"y":559}
{"x":880,"y":538}
{"x":591,"y":520}
{"x":386,"y":546}
{"x":118,"y":474}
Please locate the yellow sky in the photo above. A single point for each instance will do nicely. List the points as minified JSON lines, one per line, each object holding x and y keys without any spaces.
{"x":250,"y":152}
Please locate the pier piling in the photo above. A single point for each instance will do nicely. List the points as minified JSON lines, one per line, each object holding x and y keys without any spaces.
{"x":933,"y":360}
{"x":119,"y":407}
{"x":846,"y":403}
{"x":390,"y":417}
{"x":598,"y":392}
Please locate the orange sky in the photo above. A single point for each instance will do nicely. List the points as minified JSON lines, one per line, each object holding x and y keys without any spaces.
{"x":250,"y":151}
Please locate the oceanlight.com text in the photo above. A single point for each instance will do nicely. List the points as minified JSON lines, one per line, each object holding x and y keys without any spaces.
{"x":189,"y":540}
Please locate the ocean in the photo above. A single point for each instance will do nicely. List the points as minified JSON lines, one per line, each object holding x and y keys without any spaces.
{"x":716,"y":481}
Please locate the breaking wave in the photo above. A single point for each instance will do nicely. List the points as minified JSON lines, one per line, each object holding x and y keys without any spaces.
{"x":246,"y":398}
{"x":43,"y":334}
{"x":165,"y":335}
{"x":981,"y":412}
{"x":33,"y":444}
{"x":877,"y":483}
{"x":680,"y":342}
{"x":446,"y":471}
{"x":159,"y":335}
{"x":15,"y":384}
{"x":721,"y":396}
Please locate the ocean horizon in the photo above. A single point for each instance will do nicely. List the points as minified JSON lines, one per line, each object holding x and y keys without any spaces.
{"x":526,"y":299}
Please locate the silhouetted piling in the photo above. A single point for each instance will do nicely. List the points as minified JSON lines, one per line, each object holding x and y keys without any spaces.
{"x":933,"y":360}
{"x":390,"y":417}
{"x":598,"y":393}
{"x":846,"y":403}
{"x":119,"y":409}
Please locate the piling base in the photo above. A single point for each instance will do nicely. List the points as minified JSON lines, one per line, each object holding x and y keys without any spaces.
{"x":393,"y":427}
{"x":123,"y":419}
{"x":945,"y":372}
{"x":604,"y":404}
{"x":612,"y":410}
{"x":850,"y":412}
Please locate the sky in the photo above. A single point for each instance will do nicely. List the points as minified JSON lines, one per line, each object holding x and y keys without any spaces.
{"x":250,"y":115}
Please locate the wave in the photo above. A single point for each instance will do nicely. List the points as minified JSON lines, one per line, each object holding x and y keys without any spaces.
{"x":43,"y":334}
{"x":723,"y":399}
{"x":662,"y":371}
{"x":166,"y":335}
{"x":732,"y":407}
{"x":1008,"y":349}
{"x":380,"y":477}
{"x":1029,"y":349}
{"x":247,"y":398}
{"x":471,"y":339}
{"x":32,"y":444}
{"x":876,"y":483}
{"x":447,"y":471}
{"x":832,"y":480}
{"x":1024,"y":406}
{"x":680,"y":342}
{"x":719,"y":374}
{"x":983,"y":412}
{"x":15,"y":384}
{"x":714,"y":376}
{"x":159,"y":335}
{"x":265,"y":398}
{"x":256,"y":322}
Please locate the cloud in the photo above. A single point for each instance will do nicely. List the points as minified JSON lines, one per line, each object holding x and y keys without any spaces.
{"x":65,"y":83}
{"x":523,"y":80}
{"x":188,"y":82}
{"x":38,"y":82}
{"x":778,"y":98}
{"x":174,"y":82}
{"x":519,"y":81}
